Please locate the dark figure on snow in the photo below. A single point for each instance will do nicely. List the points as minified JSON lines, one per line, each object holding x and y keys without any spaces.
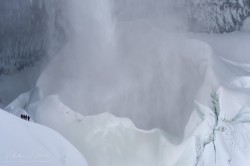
{"x":25,"y":117}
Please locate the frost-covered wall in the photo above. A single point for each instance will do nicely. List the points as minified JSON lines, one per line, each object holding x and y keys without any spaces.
{"x":22,"y":35}
{"x":203,"y":15}
{"x":217,"y":15}
{"x":137,"y":9}
{"x":26,"y":31}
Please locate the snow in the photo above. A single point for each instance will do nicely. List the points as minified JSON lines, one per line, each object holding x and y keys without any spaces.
{"x":225,"y":142}
{"x":230,"y":46}
{"x":216,"y":134}
{"x":211,"y":137}
{"x":107,"y":140}
{"x":26,"y":143}
{"x":242,"y":82}
{"x":195,"y":83}
{"x":136,"y":82}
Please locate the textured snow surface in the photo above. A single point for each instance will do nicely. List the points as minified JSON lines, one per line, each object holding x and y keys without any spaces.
{"x":24,"y":143}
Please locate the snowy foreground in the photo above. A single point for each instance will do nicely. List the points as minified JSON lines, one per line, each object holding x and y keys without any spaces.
{"x":211,"y":137}
{"x":218,"y":131}
{"x":26,"y":143}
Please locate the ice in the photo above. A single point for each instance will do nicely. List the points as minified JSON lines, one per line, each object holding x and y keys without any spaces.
{"x":107,"y":140}
{"x":213,"y":136}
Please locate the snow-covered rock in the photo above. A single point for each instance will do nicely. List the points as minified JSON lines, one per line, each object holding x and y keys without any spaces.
{"x":223,"y":130}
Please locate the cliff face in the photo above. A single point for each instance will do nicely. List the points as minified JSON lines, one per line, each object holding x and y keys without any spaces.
{"x":23,"y":35}
{"x":28,"y":31}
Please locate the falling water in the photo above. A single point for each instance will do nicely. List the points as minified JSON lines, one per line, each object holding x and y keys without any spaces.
{"x":125,"y":57}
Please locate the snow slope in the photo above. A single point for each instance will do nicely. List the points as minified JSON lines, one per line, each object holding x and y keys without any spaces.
{"x":24,"y":143}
